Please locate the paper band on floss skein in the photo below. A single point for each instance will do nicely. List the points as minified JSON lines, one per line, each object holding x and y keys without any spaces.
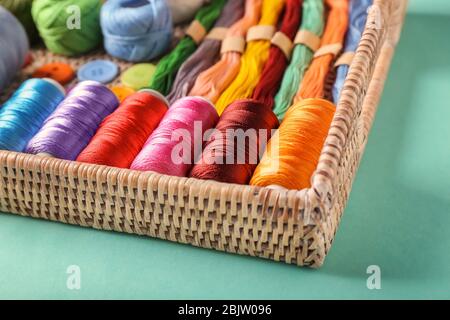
{"x":212,"y":82}
{"x":23,"y":114}
{"x":14,"y":47}
{"x":254,"y":57}
{"x":307,"y":42}
{"x":167,"y":68}
{"x":249,"y":115}
{"x":207,"y":53}
{"x":123,"y":133}
{"x":63,"y":31}
{"x":298,"y":143}
{"x":186,"y":119}
{"x":70,"y":128}
{"x":136,"y":30}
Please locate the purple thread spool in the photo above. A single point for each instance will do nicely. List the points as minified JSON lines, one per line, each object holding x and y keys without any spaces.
{"x":74,"y":122}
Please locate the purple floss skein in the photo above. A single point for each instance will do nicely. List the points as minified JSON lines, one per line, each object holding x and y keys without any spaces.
{"x":207,"y":54}
{"x":72,"y":125}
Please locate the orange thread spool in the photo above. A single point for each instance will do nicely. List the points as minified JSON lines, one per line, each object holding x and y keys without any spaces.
{"x":293,"y":152}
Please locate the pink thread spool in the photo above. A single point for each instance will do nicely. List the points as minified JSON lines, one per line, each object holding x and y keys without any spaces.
{"x":177,"y":142}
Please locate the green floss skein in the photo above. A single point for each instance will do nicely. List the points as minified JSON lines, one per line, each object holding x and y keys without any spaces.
{"x":168,"y":66}
{"x":22,"y":10}
{"x":313,"y":20}
{"x":60,"y":28}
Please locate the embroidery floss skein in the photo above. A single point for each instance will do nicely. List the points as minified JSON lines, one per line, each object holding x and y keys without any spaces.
{"x":358,"y":18}
{"x":211,"y":83}
{"x":278,"y":59}
{"x":229,"y":156}
{"x":253,"y":59}
{"x":22,"y":10}
{"x":293,"y":152}
{"x":186,"y":119}
{"x":313,"y":21}
{"x":250,"y":114}
{"x":207,"y":53}
{"x":123,"y":133}
{"x":313,"y":84}
{"x":70,"y":128}
{"x":184,"y":10}
{"x":136,"y":30}
{"x":53,"y":18}
{"x":167,"y":68}
{"x":13,"y":47}
{"x":22,"y":115}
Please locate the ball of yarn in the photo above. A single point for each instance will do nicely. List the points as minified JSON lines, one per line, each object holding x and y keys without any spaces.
{"x":70,"y":128}
{"x":14,"y":47}
{"x":68,"y":27}
{"x":23,"y":114}
{"x":123,"y":133}
{"x":136,"y":30}
{"x":22,"y":10}
{"x":184,"y":125}
{"x":225,"y":157}
{"x":184,"y":10}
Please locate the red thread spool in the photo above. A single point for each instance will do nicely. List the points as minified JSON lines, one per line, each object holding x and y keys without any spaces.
{"x":219,"y":160}
{"x":122,"y":134}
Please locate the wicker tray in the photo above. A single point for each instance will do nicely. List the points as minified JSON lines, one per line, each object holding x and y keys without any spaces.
{"x":295,"y":226}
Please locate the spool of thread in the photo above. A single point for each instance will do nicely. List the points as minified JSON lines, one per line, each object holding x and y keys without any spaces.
{"x":73,"y":124}
{"x":68,"y":27}
{"x":293,"y":153}
{"x":278,"y":60}
{"x":358,"y":18}
{"x":168,"y":67}
{"x":177,"y":142}
{"x":136,"y":30}
{"x":253,"y":59}
{"x":122,"y":134}
{"x":207,"y":53}
{"x":22,"y":10}
{"x":226,"y":158}
{"x":212,"y":82}
{"x":313,"y":21}
{"x":14,"y":47}
{"x":23,"y":114}
{"x":184,"y":10}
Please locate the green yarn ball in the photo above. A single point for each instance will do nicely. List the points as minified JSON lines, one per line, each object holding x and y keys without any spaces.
{"x":22,"y":10}
{"x":68,"y":27}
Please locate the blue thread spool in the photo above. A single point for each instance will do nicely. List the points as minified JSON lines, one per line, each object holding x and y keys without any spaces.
{"x":23,"y":114}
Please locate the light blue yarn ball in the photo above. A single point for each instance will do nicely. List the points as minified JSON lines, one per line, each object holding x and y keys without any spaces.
{"x":14,"y":47}
{"x":136,"y":30}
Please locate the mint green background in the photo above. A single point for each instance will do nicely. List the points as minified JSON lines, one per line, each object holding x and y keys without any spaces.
{"x":398,"y":216}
